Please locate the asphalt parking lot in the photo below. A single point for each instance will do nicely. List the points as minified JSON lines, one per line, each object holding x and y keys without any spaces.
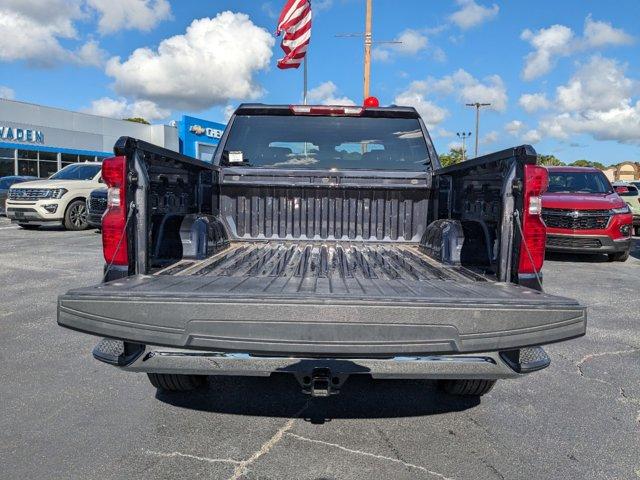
{"x":65,"y":415}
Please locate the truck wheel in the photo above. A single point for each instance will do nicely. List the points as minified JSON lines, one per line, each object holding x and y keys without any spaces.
{"x":28,"y":226}
{"x":467,"y":387}
{"x":176,"y":383}
{"x":619,"y":257}
{"x":76,"y":217}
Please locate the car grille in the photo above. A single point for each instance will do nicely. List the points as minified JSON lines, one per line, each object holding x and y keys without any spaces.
{"x":576,"y":219}
{"x":97,"y":205}
{"x":29,"y":193}
{"x":572,"y":242}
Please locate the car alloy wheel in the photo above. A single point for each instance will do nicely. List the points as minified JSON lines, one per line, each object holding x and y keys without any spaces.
{"x":78,"y":215}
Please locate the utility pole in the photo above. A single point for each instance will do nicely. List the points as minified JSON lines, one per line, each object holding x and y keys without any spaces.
{"x":367,"y":49}
{"x":368,"y":43}
{"x":477,"y":106}
{"x":464,"y":136}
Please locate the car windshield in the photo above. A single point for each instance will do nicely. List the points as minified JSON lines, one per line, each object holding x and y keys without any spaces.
{"x":326,"y":143}
{"x":80,"y":171}
{"x":578,"y":182}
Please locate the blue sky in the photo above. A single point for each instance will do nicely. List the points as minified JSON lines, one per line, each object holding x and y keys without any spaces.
{"x":563,"y":76}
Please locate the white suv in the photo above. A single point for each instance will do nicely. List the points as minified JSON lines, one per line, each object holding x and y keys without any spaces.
{"x":59,"y":199}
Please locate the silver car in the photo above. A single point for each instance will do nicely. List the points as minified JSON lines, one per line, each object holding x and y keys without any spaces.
{"x":5,"y":183}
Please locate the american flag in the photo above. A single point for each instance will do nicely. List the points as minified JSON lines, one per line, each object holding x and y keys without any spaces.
{"x":295,"y":22}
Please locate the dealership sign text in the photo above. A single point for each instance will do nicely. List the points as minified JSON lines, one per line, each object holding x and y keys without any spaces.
{"x":21,"y":135}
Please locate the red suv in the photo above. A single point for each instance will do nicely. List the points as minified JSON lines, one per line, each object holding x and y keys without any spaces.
{"x":583,"y":214}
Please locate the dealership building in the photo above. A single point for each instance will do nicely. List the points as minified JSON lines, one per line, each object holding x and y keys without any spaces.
{"x":38,"y":141}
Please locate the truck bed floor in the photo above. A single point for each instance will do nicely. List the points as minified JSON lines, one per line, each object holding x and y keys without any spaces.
{"x":360,"y":269}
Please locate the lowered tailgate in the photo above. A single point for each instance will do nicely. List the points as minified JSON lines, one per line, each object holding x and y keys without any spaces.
{"x":351,"y":313}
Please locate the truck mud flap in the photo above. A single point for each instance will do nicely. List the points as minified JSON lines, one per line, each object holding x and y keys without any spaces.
{"x":493,"y":317}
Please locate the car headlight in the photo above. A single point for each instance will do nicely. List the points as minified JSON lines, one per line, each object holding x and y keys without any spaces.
{"x":57,"y":192}
{"x":624,"y":209}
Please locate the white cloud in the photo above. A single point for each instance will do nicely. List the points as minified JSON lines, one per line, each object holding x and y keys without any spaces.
{"x":325,"y":94}
{"x":560,"y":41}
{"x":548,"y":43}
{"x":412,"y":42}
{"x":469,"y":89}
{"x":44,"y":33}
{"x":228,"y":111}
{"x":600,"y":34}
{"x":600,"y":84}
{"x":415,"y":96}
{"x":193,"y":71}
{"x":462,"y":85}
{"x":443,"y":132}
{"x":7,"y":93}
{"x":269,"y":10}
{"x":532,"y":102}
{"x":598,"y":100}
{"x":532,"y":136}
{"x":91,"y":54}
{"x":514,"y":127}
{"x":117,"y":15}
{"x":490,"y":137}
{"x":471,"y":14}
{"x":120,"y":108}
{"x":32,"y":30}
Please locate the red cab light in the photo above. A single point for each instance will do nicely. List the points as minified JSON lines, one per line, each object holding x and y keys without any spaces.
{"x":536,"y":181}
{"x":371,"y":102}
{"x":114,"y":236}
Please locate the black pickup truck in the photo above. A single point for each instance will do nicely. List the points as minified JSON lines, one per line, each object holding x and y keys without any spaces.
{"x":324,"y":242}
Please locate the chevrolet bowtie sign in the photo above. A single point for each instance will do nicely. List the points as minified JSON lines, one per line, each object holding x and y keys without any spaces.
{"x":209,"y":132}
{"x":21,"y":135}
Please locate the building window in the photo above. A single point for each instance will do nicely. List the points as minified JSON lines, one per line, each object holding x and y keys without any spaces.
{"x":6,"y":167}
{"x":50,"y":156}
{"x":87,"y":158}
{"x":28,"y":167}
{"x":28,"y":154}
{"x":47,"y":168}
{"x":68,"y":158}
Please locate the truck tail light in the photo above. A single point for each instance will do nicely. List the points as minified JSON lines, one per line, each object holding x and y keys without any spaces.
{"x":536,"y":181}
{"x":114,"y":235}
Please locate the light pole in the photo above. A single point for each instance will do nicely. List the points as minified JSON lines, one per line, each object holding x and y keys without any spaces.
{"x":464,"y":136}
{"x":478,"y":106}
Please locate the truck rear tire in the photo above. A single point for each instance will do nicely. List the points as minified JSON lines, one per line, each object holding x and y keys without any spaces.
{"x":176,"y":383}
{"x":619,"y":257}
{"x":474,"y":388}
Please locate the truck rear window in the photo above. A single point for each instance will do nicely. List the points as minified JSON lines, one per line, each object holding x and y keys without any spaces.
{"x":326,"y":143}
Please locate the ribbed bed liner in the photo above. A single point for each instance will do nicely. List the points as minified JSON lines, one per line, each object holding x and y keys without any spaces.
{"x":379,"y":270}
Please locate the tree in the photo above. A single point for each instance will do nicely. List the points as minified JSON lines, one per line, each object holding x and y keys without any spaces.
{"x":137,"y":120}
{"x":454,"y":156}
{"x":549,"y":161}
{"x":588,"y":163}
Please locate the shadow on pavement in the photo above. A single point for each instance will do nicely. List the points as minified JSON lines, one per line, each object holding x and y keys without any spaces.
{"x":280,"y":396}
{"x":576,"y":257}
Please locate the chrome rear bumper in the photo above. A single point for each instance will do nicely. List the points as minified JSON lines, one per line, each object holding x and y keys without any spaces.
{"x":151,"y":359}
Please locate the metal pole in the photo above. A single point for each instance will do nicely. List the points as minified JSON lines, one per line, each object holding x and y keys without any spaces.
{"x":367,"y":50}
{"x":304,"y":61}
{"x":477,"y":127}
{"x":477,"y":106}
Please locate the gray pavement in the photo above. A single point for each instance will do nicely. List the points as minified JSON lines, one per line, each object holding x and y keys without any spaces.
{"x":64,"y":415}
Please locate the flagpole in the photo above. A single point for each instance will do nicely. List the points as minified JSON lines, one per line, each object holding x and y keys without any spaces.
{"x":304,"y":95}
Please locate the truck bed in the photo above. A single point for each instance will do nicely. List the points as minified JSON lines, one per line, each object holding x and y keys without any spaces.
{"x":338,"y":269}
{"x":323,"y":299}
